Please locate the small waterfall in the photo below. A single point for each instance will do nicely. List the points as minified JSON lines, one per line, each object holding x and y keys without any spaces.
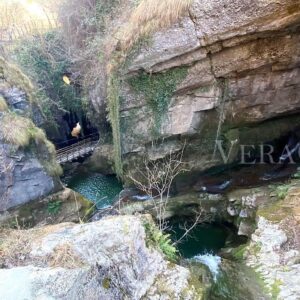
{"x":211,"y":261}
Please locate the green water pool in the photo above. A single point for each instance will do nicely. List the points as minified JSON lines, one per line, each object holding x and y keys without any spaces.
{"x":100,"y":189}
{"x":204,"y":238}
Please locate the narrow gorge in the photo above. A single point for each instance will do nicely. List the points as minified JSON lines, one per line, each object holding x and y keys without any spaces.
{"x":150,"y":150}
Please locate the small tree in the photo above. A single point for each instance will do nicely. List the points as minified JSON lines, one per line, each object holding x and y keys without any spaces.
{"x":155,"y":179}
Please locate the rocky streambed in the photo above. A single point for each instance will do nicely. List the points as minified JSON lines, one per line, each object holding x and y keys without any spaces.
{"x":249,"y":249}
{"x":234,"y":253}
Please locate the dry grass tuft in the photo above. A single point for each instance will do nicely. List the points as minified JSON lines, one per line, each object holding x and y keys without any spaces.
{"x":65,"y":257}
{"x":3,"y":105}
{"x":16,"y":77}
{"x":150,"y":16}
{"x":20,"y":131}
{"x":17,"y":130}
{"x":14,"y":247}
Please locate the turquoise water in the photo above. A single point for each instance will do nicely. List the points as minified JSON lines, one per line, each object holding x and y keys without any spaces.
{"x":101,"y":189}
{"x":206,"y":238}
{"x":98,"y":188}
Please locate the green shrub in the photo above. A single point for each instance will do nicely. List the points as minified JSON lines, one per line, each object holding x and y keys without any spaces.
{"x":45,"y":60}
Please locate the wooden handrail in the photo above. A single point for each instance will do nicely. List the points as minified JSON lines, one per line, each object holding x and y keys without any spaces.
{"x":94,"y":136}
{"x":83,"y":142}
{"x":76,"y":150}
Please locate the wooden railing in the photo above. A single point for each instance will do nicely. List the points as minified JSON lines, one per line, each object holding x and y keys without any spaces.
{"x":77,"y":150}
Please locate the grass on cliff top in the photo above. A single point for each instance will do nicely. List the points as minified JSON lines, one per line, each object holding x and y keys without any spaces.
{"x":150,"y":16}
{"x":14,"y":244}
{"x":16,"y":77}
{"x":19,"y":131}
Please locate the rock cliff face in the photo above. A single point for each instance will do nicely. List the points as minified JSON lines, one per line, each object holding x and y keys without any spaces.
{"x":108,"y":259}
{"x":226,"y":70}
{"x":23,"y":178}
{"x":28,"y":170}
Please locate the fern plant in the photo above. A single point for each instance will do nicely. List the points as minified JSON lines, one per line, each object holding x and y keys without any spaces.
{"x":54,"y":207}
{"x":280,"y":191}
{"x":159,"y":240}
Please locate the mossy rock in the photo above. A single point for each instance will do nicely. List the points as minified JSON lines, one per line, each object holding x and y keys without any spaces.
{"x":13,"y":75}
{"x":200,"y":280}
{"x":158,"y":90}
{"x":65,"y":206}
{"x":239,"y":252}
{"x":237,"y":281}
{"x":283,"y":205}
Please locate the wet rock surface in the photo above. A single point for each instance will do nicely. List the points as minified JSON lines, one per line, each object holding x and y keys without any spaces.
{"x":101,"y":160}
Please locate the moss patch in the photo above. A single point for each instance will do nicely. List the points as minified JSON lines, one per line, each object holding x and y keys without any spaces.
{"x":65,"y":206}
{"x":114,"y":118}
{"x":275,"y":212}
{"x":158,"y":90}
{"x":106,"y":283}
{"x":239,"y":252}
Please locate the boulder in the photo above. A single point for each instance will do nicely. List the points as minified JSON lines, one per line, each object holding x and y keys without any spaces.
{"x":213,"y":207}
{"x":108,"y":259}
{"x":24,"y":177}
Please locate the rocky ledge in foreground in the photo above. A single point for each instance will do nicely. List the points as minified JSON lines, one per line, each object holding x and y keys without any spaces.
{"x":274,"y":249}
{"x":108,"y":259}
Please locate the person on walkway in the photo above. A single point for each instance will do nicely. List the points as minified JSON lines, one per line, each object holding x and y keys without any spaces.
{"x":76,"y":131}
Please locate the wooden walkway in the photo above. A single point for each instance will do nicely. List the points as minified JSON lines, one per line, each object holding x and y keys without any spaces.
{"x":77,"y":150}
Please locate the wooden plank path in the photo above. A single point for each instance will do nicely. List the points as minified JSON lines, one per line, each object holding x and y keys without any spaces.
{"x":77,"y":150}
